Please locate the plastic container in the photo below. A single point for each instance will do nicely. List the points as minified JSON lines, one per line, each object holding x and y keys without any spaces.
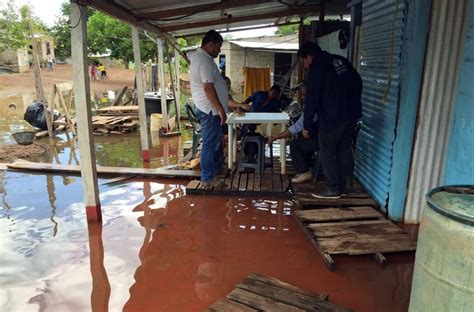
{"x":156,"y":122}
{"x":443,"y":279}
{"x":153,"y":103}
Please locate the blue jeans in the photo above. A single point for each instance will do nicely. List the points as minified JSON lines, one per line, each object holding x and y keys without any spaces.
{"x":211,"y":160}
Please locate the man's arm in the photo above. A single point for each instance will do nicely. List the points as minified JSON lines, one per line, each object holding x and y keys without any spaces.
{"x":211,"y":95}
{"x":281,"y":135}
{"x":312,"y":97}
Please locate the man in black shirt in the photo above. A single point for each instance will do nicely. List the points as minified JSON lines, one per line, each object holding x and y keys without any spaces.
{"x":333,"y":92}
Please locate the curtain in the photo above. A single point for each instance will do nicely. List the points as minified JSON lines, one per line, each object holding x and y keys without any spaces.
{"x":256,"y":79}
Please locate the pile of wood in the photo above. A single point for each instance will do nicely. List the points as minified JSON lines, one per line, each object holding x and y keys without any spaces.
{"x":122,"y":111}
{"x":113,"y":124}
{"x":116,"y":120}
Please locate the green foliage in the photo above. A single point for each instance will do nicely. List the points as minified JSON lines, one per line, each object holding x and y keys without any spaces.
{"x":14,"y":27}
{"x":62,"y":33}
{"x":291,"y":29}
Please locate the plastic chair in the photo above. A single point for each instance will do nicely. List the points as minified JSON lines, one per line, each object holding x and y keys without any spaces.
{"x":256,"y":162}
{"x":197,"y":135}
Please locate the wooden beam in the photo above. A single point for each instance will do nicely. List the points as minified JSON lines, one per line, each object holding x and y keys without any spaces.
{"x":230,"y":19}
{"x":161,"y":77}
{"x":239,"y":29}
{"x":195,"y":9}
{"x":177,"y":88}
{"x":83,"y":113}
{"x":24,"y":165}
{"x":145,"y":143}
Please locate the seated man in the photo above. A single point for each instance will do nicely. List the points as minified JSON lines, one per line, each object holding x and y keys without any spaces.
{"x":301,"y":149}
{"x":265,"y":101}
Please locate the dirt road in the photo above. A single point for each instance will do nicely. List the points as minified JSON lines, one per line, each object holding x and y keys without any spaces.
{"x":24,"y":83}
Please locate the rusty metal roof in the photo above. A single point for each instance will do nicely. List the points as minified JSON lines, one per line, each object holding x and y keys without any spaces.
{"x":185,"y":17}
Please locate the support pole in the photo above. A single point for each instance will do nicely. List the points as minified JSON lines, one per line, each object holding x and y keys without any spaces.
{"x":39,"y":80}
{"x":145,"y":142}
{"x":161,"y":68}
{"x":177,"y":86}
{"x":83,"y":113}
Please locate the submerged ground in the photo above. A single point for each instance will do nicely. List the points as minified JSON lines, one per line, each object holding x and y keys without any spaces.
{"x":159,"y":249}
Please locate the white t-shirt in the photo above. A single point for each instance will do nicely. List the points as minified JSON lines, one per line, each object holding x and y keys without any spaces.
{"x":204,"y":70}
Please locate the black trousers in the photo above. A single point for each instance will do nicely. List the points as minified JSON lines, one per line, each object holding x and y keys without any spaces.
{"x":336,"y":155}
{"x":302,"y":151}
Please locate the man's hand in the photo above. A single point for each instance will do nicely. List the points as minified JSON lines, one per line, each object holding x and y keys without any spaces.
{"x":223,"y":116}
{"x":305,"y":133}
{"x":271,"y":138}
{"x":245,"y":107}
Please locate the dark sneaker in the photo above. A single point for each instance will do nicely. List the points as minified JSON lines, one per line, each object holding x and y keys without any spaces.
{"x":328,"y":194}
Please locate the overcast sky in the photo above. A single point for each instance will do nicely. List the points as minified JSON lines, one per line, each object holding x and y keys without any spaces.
{"x":49,"y":10}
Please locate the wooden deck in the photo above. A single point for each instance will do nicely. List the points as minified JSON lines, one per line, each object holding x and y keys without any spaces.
{"x":260,"y":293}
{"x":247,"y":184}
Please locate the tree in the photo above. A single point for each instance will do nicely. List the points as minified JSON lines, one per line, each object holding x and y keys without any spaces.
{"x":291,"y":29}
{"x":61,"y":30}
{"x":105,"y":33}
{"x":14,"y":29}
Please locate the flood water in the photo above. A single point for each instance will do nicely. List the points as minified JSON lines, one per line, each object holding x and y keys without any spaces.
{"x":159,"y":249}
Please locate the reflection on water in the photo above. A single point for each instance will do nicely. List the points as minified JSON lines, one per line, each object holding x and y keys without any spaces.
{"x":160,"y":250}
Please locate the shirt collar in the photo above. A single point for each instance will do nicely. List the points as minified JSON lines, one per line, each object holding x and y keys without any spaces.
{"x":201,"y":50}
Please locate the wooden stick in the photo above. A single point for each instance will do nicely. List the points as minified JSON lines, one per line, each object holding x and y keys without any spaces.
{"x":172,"y":87}
{"x":119,"y":98}
{"x":66,"y":112}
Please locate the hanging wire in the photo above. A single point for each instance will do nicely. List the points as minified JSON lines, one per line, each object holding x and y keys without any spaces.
{"x":81,"y":7}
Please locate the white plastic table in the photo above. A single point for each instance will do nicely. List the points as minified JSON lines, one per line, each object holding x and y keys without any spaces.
{"x":255,"y":118}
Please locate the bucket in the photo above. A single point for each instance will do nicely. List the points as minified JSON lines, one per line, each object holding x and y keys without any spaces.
{"x":443,"y":278}
{"x":156,"y":122}
{"x":24,"y":137}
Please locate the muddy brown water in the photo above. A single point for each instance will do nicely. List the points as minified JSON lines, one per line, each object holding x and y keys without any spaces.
{"x":159,"y":249}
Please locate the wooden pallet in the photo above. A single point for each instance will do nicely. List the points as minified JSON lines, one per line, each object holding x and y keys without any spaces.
{"x":356,"y":196}
{"x":260,"y":293}
{"x":353,"y":231}
{"x":119,"y":110}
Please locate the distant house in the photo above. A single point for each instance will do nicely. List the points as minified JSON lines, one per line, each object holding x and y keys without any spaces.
{"x":277,"y":52}
{"x":19,"y":60}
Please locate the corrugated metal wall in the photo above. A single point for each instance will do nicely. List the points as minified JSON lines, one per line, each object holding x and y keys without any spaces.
{"x":380,"y":48}
{"x":447,"y":32}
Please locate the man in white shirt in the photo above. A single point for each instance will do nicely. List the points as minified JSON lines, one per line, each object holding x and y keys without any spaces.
{"x":210,"y":96}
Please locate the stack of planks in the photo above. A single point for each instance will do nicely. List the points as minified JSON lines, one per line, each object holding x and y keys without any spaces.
{"x":121,"y":111}
{"x":113,"y":124}
{"x":116,"y":120}
{"x":260,"y":293}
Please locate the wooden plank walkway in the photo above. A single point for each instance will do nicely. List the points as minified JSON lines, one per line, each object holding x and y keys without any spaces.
{"x":260,"y":293}
{"x":353,"y":231}
{"x":24,"y":165}
{"x":245,"y":184}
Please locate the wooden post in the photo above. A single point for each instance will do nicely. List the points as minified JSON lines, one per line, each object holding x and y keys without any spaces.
{"x":177,"y":86}
{"x":38,"y":79}
{"x":36,"y":64}
{"x":83,"y":113}
{"x":161,"y":69}
{"x":145,"y":142}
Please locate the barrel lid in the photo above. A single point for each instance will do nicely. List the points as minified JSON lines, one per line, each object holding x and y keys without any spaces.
{"x":453,"y":201}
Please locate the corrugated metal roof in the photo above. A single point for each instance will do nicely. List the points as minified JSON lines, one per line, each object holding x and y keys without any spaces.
{"x":191,"y":16}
